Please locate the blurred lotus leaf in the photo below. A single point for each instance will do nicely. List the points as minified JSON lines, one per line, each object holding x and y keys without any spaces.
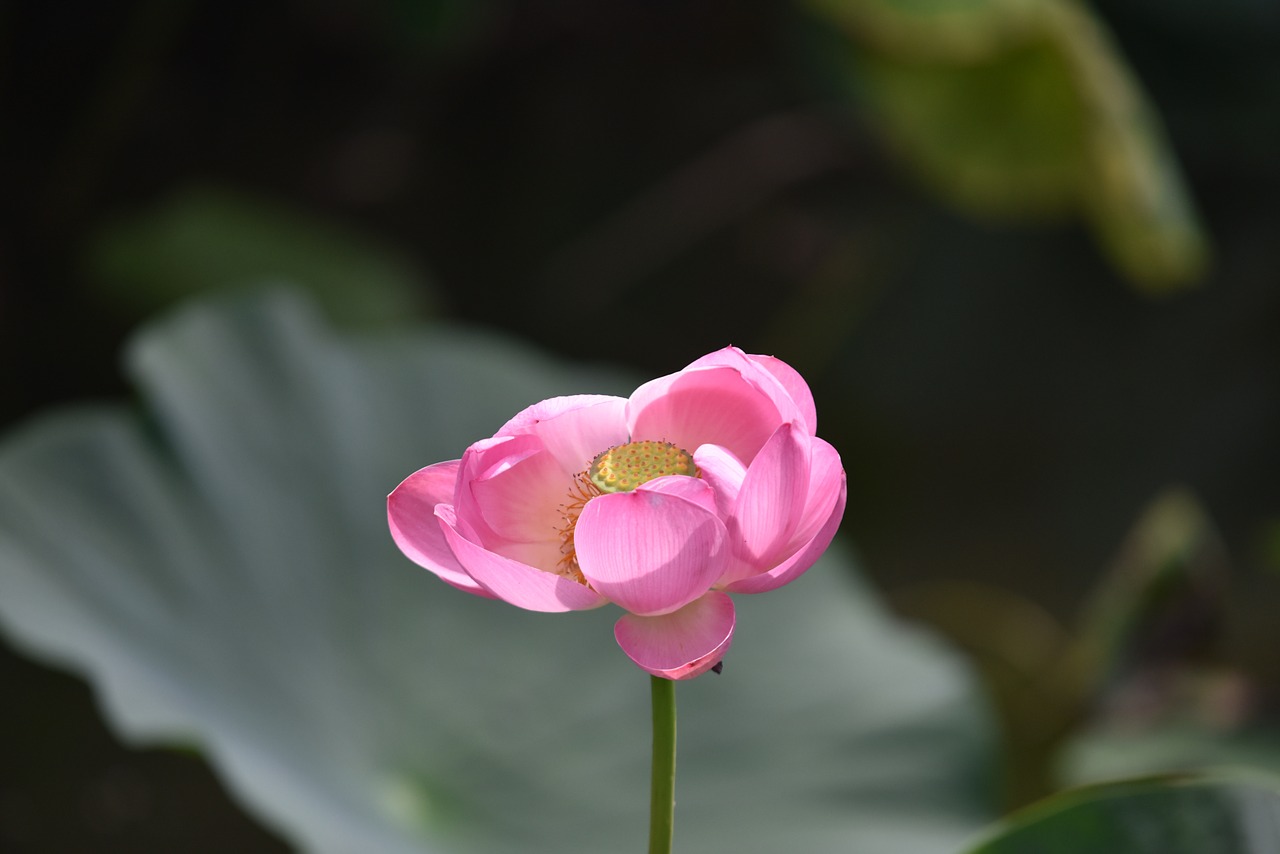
{"x":1150,"y":658}
{"x":218,"y":566}
{"x":1224,"y":814}
{"x":1102,"y":754}
{"x":205,"y":238}
{"x":1015,"y":108}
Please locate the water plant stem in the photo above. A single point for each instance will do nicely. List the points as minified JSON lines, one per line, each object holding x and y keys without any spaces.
{"x":662,"y":789}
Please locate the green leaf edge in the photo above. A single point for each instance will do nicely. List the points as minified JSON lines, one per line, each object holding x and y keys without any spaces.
{"x":1092,"y":792}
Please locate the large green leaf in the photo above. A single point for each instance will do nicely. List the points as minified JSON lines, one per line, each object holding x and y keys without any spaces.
{"x":1170,"y":815}
{"x":219,"y":566}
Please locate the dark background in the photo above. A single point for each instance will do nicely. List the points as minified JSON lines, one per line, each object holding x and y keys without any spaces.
{"x":640,"y":183}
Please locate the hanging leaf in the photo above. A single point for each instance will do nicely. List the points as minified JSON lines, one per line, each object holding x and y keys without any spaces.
{"x":1017,"y":108}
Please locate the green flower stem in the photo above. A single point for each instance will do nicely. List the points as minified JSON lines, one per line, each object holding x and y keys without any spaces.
{"x":662,"y":790}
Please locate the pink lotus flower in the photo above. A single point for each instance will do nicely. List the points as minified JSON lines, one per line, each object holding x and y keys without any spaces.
{"x":706,"y":482}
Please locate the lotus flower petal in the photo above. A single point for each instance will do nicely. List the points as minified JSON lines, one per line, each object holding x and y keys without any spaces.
{"x":775,"y":378}
{"x":772,"y":497}
{"x":712,"y":404}
{"x":511,"y":580}
{"x":411,"y":517}
{"x":794,"y":566}
{"x":683,"y":644}
{"x":573,"y":429}
{"x":652,"y":551}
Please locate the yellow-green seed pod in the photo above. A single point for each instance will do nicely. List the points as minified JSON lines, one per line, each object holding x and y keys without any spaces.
{"x":625,"y":467}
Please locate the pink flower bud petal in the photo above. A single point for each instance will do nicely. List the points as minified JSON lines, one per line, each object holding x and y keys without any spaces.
{"x":683,"y":644}
{"x":415,"y":529}
{"x":518,"y":501}
{"x":713,"y":405}
{"x":652,"y":550}
{"x":771,"y":500}
{"x":797,"y":389}
{"x":805,"y":556}
{"x":781,"y":382}
{"x":723,"y":472}
{"x":826,"y":486}
{"x":511,"y":580}
{"x":573,"y":429}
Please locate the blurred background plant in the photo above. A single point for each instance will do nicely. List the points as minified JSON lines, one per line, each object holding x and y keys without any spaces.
{"x":1024,"y":250}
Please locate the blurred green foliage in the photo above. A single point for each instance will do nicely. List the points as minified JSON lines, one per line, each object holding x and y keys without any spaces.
{"x":204,"y":239}
{"x":1025,"y":108}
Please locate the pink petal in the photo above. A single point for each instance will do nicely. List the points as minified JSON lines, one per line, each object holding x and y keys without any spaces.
{"x":682,"y":486}
{"x":797,"y":389}
{"x":651,"y":551}
{"x":411,"y":516}
{"x":485,"y":459}
{"x":573,"y":429}
{"x":771,"y":499}
{"x":808,"y":553}
{"x":512,"y":581}
{"x":826,"y":482}
{"x":774,"y":377}
{"x":520,"y":501}
{"x":683,"y":644}
{"x":699,"y":406}
{"x":723,"y":472}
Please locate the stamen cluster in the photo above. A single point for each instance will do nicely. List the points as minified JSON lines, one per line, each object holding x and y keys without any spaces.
{"x":625,"y":467}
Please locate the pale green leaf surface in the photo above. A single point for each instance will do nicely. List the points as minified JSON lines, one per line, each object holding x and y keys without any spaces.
{"x":220,"y":569}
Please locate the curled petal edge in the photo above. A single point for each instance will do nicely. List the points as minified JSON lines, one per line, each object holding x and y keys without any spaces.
{"x":805,"y":556}
{"x":683,"y":644}
{"x":774,"y":377}
{"x":771,"y":498}
{"x":573,"y":429}
{"x":415,"y":529}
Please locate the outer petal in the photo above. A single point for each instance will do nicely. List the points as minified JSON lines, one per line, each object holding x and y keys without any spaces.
{"x":711,"y":405}
{"x":826,"y":483}
{"x":512,"y":581}
{"x":724,"y":472}
{"x":652,"y":550}
{"x":411,"y":516}
{"x":794,"y":566}
{"x":683,"y":644}
{"x":797,"y":388}
{"x":771,"y":501}
{"x":775,"y":378}
{"x":573,"y":429}
{"x":519,"y":501}
{"x":486,"y":459}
